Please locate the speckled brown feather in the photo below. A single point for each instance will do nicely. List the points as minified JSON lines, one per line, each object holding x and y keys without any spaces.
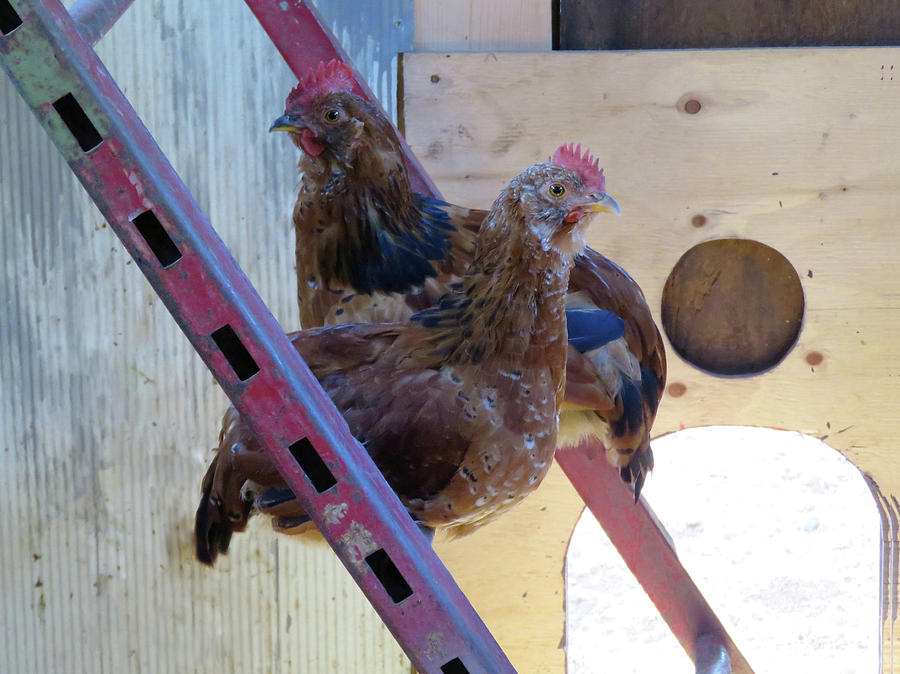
{"x":596,"y":282}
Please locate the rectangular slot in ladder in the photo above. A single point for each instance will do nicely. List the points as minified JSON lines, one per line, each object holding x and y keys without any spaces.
{"x":156,"y":237}
{"x":455,"y":666}
{"x":78,"y":122}
{"x":9,"y":19}
{"x":313,"y":465}
{"x":389,"y":576}
{"x":235,"y":352}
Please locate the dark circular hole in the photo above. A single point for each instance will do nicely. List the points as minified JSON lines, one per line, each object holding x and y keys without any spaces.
{"x":435,"y":78}
{"x":698,"y":220}
{"x":692,"y":107}
{"x":732,"y":306}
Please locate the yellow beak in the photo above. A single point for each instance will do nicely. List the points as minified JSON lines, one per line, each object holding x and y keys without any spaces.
{"x":602,"y":203}
{"x":287,"y":123}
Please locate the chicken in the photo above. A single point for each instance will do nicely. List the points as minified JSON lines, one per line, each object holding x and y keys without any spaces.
{"x":459,"y":405}
{"x":371,"y":249}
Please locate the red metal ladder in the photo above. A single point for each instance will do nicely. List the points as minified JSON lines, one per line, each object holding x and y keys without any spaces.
{"x":45,"y":51}
{"x":149,"y":208}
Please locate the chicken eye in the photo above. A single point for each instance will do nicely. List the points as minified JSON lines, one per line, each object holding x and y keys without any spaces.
{"x":332,"y":115}
{"x":557,"y":190}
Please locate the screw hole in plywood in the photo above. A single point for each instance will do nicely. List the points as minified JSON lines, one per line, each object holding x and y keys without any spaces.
{"x":732,"y":306}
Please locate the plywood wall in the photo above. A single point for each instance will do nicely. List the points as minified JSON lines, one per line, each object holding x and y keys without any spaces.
{"x":794,"y":148}
{"x":107,"y":414}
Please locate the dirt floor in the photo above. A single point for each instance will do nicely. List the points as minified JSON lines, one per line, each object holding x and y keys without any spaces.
{"x":781,"y":534}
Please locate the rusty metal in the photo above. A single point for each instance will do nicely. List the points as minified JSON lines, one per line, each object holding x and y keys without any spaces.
{"x":94,"y":18}
{"x":117,"y":161}
{"x":712,"y":656}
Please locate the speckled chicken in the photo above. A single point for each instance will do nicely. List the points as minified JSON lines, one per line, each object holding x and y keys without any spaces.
{"x":370,"y":249}
{"x":356,"y":216}
{"x":459,"y":405}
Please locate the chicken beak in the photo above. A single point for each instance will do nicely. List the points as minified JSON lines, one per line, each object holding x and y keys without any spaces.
{"x":601,"y":202}
{"x":287,"y":123}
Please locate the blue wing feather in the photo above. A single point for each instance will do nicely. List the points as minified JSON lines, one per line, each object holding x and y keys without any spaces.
{"x":592,"y":328}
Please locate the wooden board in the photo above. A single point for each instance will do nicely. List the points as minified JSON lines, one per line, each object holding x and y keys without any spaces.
{"x":472,"y":25}
{"x":794,"y":148}
{"x":672,"y":24}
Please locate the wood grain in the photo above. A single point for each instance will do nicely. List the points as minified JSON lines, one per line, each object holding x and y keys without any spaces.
{"x":794,"y":148}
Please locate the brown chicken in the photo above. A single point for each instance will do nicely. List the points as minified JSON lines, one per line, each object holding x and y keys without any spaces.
{"x":356,"y":215}
{"x":458,"y":406}
{"x":371,"y":249}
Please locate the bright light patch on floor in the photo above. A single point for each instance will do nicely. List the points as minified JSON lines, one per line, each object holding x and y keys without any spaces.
{"x":778,"y":530}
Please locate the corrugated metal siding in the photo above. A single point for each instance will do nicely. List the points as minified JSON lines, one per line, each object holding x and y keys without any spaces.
{"x":372,"y":33}
{"x":108,"y":416}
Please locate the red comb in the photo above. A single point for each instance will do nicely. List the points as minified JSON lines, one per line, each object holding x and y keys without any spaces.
{"x":325,"y":78}
{"x":585,"y":165}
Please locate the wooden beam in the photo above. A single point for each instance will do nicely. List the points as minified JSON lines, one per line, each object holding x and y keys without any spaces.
{"x":672,"y":24}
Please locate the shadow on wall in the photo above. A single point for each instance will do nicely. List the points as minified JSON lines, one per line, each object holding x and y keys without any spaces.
{"x":778,"y":530}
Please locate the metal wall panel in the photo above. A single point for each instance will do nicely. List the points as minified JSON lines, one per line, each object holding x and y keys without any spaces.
{"x":107,"y":414}
{"x":373,"y":33}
